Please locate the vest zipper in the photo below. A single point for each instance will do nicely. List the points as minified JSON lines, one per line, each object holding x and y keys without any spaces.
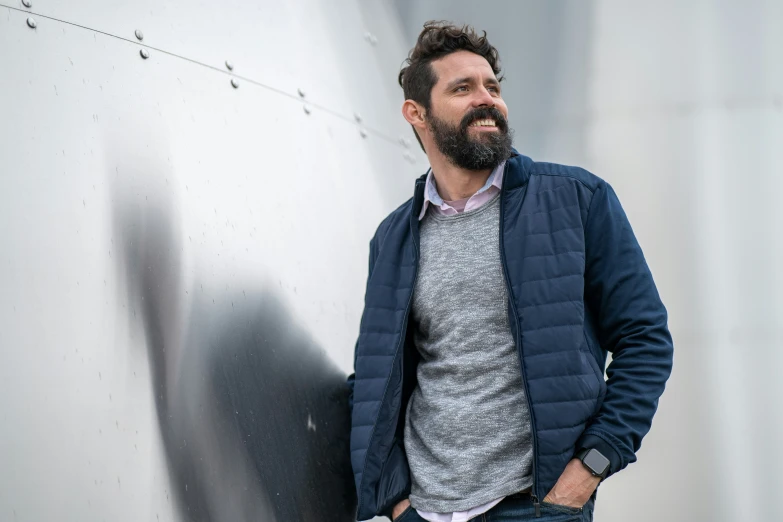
{"x":512,"y":304}
{"x":406,"y":320}
{"x":404,"y":331}
{"x":400,"y":345}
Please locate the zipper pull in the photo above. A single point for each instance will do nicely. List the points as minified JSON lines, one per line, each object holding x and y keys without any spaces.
{"x":536,"y":506}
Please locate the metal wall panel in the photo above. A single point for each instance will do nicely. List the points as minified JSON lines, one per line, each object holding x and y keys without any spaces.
{"x":343,"y":55}
{"x":183,"y":262}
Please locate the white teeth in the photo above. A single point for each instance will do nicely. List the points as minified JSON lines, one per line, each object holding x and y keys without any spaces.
{"x":483,"y":123}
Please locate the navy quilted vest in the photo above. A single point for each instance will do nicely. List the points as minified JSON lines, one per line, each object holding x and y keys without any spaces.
{"x":579,"y":287}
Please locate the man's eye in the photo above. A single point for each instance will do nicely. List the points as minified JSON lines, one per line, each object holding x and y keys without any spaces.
{"x":461,"y":88}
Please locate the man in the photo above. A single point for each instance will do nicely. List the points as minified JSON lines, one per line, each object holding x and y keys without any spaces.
{"x":493,"y":298}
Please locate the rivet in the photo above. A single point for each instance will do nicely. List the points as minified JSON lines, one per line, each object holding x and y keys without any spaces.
{"x":139,"y":35}
{"x":229,"y":65}
{"x":363,"y":132}
{"x":373,"y":40}
{"x":235,"y":83}
{"x":301,"y":92}
{"x":357,"y":117}
{"x":31,"y":23}
{"x":307,"y":109}
{"x":27,"y":3}
{"x":144,"y":53}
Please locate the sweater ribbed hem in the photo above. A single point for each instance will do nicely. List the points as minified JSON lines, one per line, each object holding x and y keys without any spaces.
{"x":476,"y":499}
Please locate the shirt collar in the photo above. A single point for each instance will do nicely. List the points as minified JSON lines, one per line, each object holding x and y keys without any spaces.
{"x":431,"y":195}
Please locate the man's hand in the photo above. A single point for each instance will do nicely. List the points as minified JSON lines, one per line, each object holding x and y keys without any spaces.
{"x":399,"y":508}
{"x":574,"y":487}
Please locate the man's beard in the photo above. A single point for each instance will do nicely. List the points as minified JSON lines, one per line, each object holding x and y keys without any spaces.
{"x":483,"y":152}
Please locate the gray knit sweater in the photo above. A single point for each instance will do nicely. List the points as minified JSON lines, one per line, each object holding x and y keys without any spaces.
{"x":467,"y":427}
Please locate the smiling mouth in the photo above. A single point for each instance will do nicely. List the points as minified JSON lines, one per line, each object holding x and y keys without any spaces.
{"x":488,"y":123}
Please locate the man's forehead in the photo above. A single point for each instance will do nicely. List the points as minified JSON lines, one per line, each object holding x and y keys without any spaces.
{"x":461,"y":63}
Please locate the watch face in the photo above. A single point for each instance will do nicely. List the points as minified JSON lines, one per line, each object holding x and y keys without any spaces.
{"x":596,"y":462}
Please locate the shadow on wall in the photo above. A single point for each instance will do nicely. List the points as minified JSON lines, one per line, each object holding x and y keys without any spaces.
{"x":253,"y":414}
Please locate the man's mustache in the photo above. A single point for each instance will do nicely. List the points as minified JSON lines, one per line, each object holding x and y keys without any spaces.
{"x":484,"y":113}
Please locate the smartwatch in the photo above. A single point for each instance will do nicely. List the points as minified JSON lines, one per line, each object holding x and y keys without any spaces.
{"x":594,"y":461}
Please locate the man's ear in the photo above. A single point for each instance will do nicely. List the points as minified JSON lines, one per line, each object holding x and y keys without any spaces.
{"x":414,"y":114}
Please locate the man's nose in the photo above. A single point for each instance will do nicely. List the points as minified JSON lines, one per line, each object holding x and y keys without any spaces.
{"x":483,"y":98}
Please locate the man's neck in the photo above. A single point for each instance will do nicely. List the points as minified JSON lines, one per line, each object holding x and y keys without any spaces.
{"x":454,"y":182}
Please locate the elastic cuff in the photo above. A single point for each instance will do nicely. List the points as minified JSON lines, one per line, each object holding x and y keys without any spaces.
{"x":590,"y":441}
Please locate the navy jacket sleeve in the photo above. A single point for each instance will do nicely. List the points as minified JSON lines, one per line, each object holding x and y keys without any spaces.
{"x":631,"y":324}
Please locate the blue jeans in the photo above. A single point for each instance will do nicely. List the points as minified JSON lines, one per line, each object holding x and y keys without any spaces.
{"x":519,"y":507}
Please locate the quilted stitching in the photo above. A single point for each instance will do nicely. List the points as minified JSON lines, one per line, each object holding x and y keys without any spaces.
{"x":548,"y":219}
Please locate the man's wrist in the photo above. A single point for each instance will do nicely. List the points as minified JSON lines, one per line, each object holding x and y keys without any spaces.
{"x":574,"y":486}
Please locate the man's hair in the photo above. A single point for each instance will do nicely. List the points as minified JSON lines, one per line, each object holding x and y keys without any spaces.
{"x":436,"y":40}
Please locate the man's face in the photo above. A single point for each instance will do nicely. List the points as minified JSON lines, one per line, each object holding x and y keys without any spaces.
{"x":467,"y":116}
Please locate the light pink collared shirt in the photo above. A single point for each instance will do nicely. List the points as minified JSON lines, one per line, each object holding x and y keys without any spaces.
{"x":450,"y":208}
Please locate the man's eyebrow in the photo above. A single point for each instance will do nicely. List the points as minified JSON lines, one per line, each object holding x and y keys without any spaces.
{"x":458,"y":81}
{"x":467,"y":79}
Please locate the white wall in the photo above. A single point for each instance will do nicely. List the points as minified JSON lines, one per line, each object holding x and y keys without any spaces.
{"x":125,"y":181}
